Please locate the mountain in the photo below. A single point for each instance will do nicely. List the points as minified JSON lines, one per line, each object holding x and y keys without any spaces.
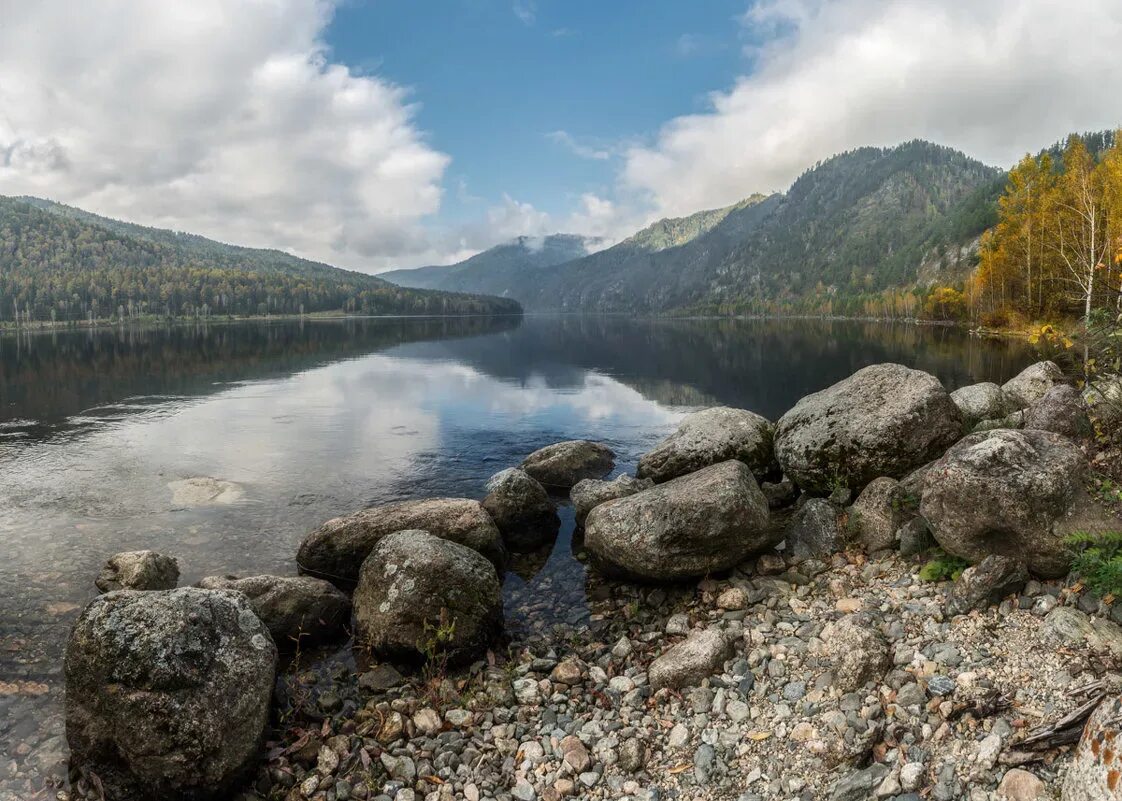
{"x":854,"y":224}
{"x":58,"y":262}
{"x":496,"y":270}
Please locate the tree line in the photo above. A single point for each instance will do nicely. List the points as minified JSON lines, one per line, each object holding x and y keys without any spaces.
{"x":56,"y":268}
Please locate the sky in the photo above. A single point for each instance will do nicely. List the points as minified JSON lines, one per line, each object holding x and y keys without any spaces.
{"x":375,"y":134}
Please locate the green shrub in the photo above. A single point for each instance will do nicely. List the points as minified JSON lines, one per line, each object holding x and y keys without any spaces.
{"x":1097,"y":558}
{"x":941,"y":566}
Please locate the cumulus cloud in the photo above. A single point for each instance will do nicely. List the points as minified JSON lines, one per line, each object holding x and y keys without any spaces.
{"x":995,"y":79}
{"x":226,"y":119}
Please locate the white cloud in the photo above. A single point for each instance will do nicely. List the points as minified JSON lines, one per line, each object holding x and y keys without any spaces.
{"x":995,"y":79}
{"x":526,"y":11}
{"x":584,"y":151}
{"x":226,"y":119}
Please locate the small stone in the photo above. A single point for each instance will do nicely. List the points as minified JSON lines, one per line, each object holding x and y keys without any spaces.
{"x":568,"y":671}
{"x":427,"y":721}
{"x":732,"y":599}
{"x":847,"y":605}
{"x":632,"y":756}
{"x":911,"y":775}
{"x":574,"y":754}
{"x":380,"y":678}
{"x":690,"y":661}
{"x":524,"y":791}
{"x":1020,"y":785}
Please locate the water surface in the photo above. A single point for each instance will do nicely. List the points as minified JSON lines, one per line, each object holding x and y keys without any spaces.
{"x":315,"y":419}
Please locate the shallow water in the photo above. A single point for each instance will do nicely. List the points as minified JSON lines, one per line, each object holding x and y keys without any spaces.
{"x":304,"y":421}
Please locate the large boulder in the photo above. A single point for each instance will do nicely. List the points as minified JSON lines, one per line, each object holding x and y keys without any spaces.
{"x":877,"y":514}
{"x":690,"y":526}
{"x":1103,"y":396}
{"x":1013,"y":493}
{"x":521,"y":509}
{"x":1061,"y":410}
{"x":591,"y":492}
{"x":813,"y":531}
{"x":297,"y":610}
{"x":167,"y":693}
{"x":138,"y":570}
{"x":883,"y":420}
{"x":420,"y":596}
{"x":336,"y":550}
{"x":978,"y":402}
{"x":1093,"y":774}
{"x":1029,"y":385}
{"x":709,"y":437}
{"x":563,"y":464}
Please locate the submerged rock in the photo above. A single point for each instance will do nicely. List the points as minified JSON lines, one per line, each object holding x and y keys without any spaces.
{"x":563,"y":464}
{"x":521,"y":509}
{"x":1060,"y":410}
{"x":420,"y":596}
{"x":336,"y":550}
{"x":883,"y":420}
{"x":591,"y":492}
{"x":978,"y":402}
{"x":138,"y":570}
{"x":1013,"y":493}
{"x":204,"y":491}
{"x":690,"y":526}
{"x":1029,"y":386}
{"x":878,"y":513}
{"x":167,"y":693}
{"x":296,"y":609}
{"x":709,"y":437}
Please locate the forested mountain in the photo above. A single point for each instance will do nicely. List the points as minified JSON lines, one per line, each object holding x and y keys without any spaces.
{"x":848,"y":230}
{"x":496,"y":270}
{"x":61,"y":263}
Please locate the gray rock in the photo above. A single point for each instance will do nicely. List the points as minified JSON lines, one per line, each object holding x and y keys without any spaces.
{"x":632,"y":755}
{"x":1030,"y":385}
{"x":1015,"y":493}
{"x":859,"y":785}
{"x":709,"y":437}
{"x":979,"y":402}
{"x":419,"y":596}
{"x":138,"y":570}
{"x":878,"y":513}
{"x":1078,"y":628}
{"x":167,"y":693}
{"x":586,"y":495}
{"x":1103,"y":397}
{"x":986,"y":583}
{"x":781,"y":493}
{"x":1060,"y":410}
{"x":883,"y":420}
{"x":564,"y":464}
{"x":1092,"y":776}
{"x":336,"y":550}
{"x":697,"y":657}
{"x":915,"y":537}
{"x":813,"y":531}
{"x":859,"y":652}
{"x":298,"y":610}
{"x":521,"y":509}
{"x":1014,"y":420}
{"x":690,"y":526}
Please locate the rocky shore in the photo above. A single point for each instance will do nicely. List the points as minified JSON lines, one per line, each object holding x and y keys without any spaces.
{"x":774,"y":611}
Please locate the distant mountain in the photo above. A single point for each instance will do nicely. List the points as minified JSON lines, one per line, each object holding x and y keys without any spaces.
{"x":497,"y":269}
{"x":858,"y":222}
{"x":58,"y":262}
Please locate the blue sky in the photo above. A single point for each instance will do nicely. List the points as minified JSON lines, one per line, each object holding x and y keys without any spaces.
{"x":375,"y":134}
{"x":501,"y":84}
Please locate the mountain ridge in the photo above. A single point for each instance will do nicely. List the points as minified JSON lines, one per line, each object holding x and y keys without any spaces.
{"x":58,"y":261}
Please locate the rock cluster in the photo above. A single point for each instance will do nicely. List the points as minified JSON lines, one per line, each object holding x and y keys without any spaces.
{"x":779,"y":643}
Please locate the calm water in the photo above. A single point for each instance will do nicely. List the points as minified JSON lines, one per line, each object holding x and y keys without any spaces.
{"x":311,"y":420}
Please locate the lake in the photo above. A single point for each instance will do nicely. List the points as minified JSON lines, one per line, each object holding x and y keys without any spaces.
{"x":309,"y":420}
